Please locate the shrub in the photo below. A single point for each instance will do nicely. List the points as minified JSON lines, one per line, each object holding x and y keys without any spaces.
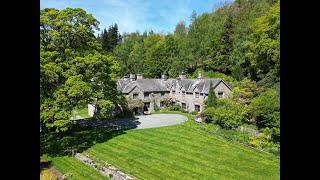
{"x":111,"y":176}
{"x":156,"y":109}
{"x":174,"y":108}
{"x":265,"y":108}
{"x":194,"y":112}
{"x":208,"y":114}
{"x":47,"y":175}
{"x":134,"y":103}
{"x":241,"y":137}
{"x":254,"y":143}
{"x":229,"y":115}
{"x":167,"y":101}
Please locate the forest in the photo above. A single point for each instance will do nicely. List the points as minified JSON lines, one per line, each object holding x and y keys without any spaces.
{"x":238,"y":42}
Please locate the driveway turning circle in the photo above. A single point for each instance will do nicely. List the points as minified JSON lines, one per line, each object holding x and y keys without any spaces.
{"x":138,"y":122}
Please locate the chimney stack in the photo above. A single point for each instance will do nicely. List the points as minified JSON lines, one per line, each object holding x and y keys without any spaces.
{"x":139,"y":76}
{"x":200,"y":75}
{"x":182,"y":75}
{"x":132,"y":77}
{"x":164,"y":76}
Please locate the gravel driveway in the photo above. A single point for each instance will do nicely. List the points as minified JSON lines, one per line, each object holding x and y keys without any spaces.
{"x":138,"y":122}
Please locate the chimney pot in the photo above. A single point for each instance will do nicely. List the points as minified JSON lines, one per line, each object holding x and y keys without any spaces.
{"x":139,"y":76}
{"x":164,"y":76}
{"x":200,"y":75}
{"x":132,"y":77}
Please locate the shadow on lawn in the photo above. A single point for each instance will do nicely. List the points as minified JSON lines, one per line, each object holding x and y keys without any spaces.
{"x":44,"y":165}
{"x":123,"y":124}
{"x":83,"y":136}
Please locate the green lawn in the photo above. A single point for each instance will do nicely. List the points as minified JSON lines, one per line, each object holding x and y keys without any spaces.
{"x":83,"y":112}
{"x":72,"y":165}
{"x":182,"y":152}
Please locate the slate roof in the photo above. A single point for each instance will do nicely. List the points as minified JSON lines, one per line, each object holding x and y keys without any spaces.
{"x":159,"y":85}
{"x":152,"y":85}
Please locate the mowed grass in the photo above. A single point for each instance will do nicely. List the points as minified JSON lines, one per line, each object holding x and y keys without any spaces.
{"x":182,"y":152}
{"x":83,"y":112}
{"x":79,"y":170}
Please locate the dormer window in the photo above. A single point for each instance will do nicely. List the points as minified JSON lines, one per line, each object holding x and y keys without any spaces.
{"x":135,"y":96}
{"x":220,"y":94}
{"x":183,"y":93}
{"x":196,"y":94}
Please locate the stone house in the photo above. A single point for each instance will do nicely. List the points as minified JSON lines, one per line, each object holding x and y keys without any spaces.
{"x":190,"y":94}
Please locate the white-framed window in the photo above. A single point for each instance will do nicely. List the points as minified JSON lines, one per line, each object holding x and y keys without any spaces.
{"x":135,"y":96}
{"x":162,"y":94}
{"x":183,"y":106}
{"x":197,"y":108}
{"x":147,"y":104}
{"x":183,"y":93}
{"x":146,"y":95}
{"x":220,"y":94}
{"x":196,"y":94}
{"x":161,"y":104}
{"x":173,"y":93}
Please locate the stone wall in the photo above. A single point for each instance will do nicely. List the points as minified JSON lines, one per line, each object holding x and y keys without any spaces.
{"x":91,"y":110}
{"x":104,"y":169}
{"x":223,"y":88}
{"x":189,"y":99}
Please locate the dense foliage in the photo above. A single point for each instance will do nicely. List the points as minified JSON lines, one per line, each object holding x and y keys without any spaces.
{"x":265,"y":108}
{"x":227,"y":114}
{"x":239,"y":39}
{"x":73,"y":72}
{"x":109,"y":38}
{"x":238,"y":42}
{"x":212,"y":98}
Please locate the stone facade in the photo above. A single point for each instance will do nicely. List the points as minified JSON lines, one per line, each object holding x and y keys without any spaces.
{"x":190,"y":94}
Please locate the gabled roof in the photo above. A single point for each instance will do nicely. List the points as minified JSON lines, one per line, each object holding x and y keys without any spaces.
{"x":159,"y":85}
{"x":152,"y":85}
{"x":146,"y":85}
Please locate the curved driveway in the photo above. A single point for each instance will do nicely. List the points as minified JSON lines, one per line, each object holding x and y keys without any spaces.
{"x":138,"y":122}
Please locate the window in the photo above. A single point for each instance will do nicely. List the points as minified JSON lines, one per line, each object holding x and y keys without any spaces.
{"x":146,"y":95}
{"x":220,"y":94}
{"x":135,"y":96}
{"x":183,"y":106}
{"x":162,"y":94}
{"x":161,"y":104}
{"x":147,"y":104}
{"x":183,"y":93}
{"x":197,"y":108}
{"x":173,"y":93}
{"x":197,"y":94}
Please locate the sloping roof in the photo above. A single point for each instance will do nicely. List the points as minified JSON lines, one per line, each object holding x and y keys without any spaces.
{"x":129,"y":87}
{"x":146,"y":85}
{"x":151,"y":85}
{"x":159,"y":85}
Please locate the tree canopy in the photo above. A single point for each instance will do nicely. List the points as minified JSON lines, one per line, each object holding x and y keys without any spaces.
{"x":73,"y":72}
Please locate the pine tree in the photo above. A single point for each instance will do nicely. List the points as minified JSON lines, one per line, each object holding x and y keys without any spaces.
{"x":110,"y":38}
{"x":226,"y":47}
{"x":104,"y":40}
{"x":212,"y":98}
{"x":237,"y":72}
